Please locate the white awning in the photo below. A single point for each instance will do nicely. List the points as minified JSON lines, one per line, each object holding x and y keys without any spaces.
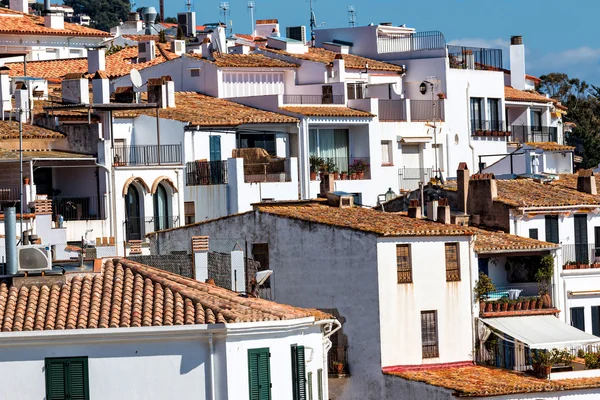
{"x":541,"y":331}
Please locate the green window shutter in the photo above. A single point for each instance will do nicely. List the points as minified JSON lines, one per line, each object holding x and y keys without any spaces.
{"x":56,"y":375}
{"x":298,"y":373}
{"x":595,"y":321}
{"x":320,"y":383}
{"x":259,"y":374}
{"x":310,"y":387}
{"x":67,"y":378}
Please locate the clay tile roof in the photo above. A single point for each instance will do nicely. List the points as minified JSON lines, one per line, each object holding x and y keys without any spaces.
{"x":266,"y":21}
{"x":10,"y":130}
{"x":479,"y":381}
{"x":570,"y":180}
{"x":9,"y":154}
{"x":14,"y":22}
{"x":245,"y":61}
{"x":513,"y":94}
{"x":50,"y":69}
{"x":550,"y":146}
{"x":366,"y":220}
{"x":351,"y":61}
{"x":100,"y":75}
{"x":128,"y":294}
{"x":328,"y":111}
{"x":202,"y":110}
{"x":528,"y":193}
{"x":491,"y":242}
{"x":74,"y":75}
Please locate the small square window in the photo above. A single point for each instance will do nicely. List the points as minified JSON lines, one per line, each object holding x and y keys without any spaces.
{"x":386,"y":153}
{"x":403,"y":263}
{"x":452,"y":262}
{"x":429,"y":334}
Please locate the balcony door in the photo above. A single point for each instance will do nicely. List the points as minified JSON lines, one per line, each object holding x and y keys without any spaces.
{"x":476,"y":113}
{"x":215,"y":148}
{"x":330,"y":144}
{"x":494,"y":114}
{"x":581,"y":239}
{"x":161,"y":209}
{"x":132,"y":209}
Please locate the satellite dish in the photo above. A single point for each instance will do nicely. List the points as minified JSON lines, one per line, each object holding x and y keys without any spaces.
{"x":136,"y":78}
{"x":262,"y":276}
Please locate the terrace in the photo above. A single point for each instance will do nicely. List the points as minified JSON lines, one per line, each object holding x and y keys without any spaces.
{"x":145,"y":155}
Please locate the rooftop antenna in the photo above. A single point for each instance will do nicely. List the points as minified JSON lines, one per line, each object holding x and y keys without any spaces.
{"x":189,"y":5}
{"x":251,"y":8}
{"x":225,"y":7}
{"x":132,"y":4}
{"x":352,"y":16}
{"x":313,"y":22}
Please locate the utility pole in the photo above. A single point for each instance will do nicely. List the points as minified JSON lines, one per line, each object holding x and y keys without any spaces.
{"x":20,"y":111}
{"x":313,"y":23}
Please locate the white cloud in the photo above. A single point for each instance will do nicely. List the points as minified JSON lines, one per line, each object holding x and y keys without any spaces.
{"x":582,"y":63}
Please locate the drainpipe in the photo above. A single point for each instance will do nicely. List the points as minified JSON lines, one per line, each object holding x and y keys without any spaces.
{"x":10,"y":230}
{"x":180,"y":187}
{"x":473,"y":330}
{"x":475,"y":166}
{"x":328,"y":324}
{"x":212,"y":366}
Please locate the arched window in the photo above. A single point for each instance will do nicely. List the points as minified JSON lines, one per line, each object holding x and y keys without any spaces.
{"x":161,"y":209}
{"x":132,"y":209}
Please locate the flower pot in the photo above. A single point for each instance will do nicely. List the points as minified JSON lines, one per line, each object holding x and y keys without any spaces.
{"x":336,"y":176}
{"x":482,"y":306}
{"x":518,"y":306}
{"x":496,"y":307}
{"x":313,"y":176}
{"x":546,"y":369}
{"x":511,"y":307}
{"x":488,"y":307}
{"x":26,"y":181}
{"x":360,"y":175}
{"x":540,"y":303}
{"x":352,"y":177}
{"x":503,"y":306}
{"x":339,"y":369}
{"x":525,"y":305}
{"x":344,"y":176}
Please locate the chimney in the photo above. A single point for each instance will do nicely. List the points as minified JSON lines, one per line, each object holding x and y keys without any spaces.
{"x":432,"y":207}
{"x":5,"y":102}
{"x":482,"y":192}
{"x":586,"y":181}
{"x":327,"y":185}
{"x":162,"y":92}
{"x":339,"y":68}
{"x":517,"y":63}
{"x":414,"y":209}
{"x":462,"y":179}
{"x":124,"y":94}
{"x":443,"y":212}
{"x":75,"y":88}
{"x":54,"y":20}
{"x":19,"y":5}
{"x":22,"y":101}
{"x":206,"y":48}
{"x":96,"y":60}
{"x":178,"y":47}
{"x":200,"y":252}
{"x":101,"y":88}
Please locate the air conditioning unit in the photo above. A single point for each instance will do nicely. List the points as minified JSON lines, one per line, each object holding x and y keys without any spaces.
{"x":146,"y":51}
{"x":34,"y":258}
{"x":296,"y":33}
{"x":187,"y":22}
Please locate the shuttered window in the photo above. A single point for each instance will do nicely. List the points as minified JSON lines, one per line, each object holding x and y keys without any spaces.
{"x":259,"y":374}
{"x":298,"y":373}
{"x":67,"y":378}
{"x":310,"y":386}
{"x":595,"y":320}
{"x":429,"y":334}
{"x":533,"y":233}
{"x":403,"y":263}
{"x":552,"y":228}
{"x":577,"y":318}
{"x":452,"y":262}
{"x":320,"y":383}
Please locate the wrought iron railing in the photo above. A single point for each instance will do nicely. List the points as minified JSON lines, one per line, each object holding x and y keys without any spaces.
{"x":427,"y":110}
{"x":270,"y":171}
{"x":338,"y":355}
{"x":78,"y":208}
{"x":10,"y":194}
{"x":479,"y":127}
{"x":503,"y":354}
{"x":312,"y":99}
{"x":475,"y":58}
{"x":407,"y":42}
{"x":200,"y":173}
{"x":137,"y":227}
{"x":537,"y":134}
{"x":392,"y":110}
{"x":168,"y":154}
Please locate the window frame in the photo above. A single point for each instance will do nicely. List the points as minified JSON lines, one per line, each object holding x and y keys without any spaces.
{"x":298,"y":372}
{"x":575,"y":321}
{"x":433,"y":349}
{"x":452,"y":274}
{"x":66,"y":362}
{"x":403,"y":274}
{"x":263,"y":351}
{"x":549,"y":221}
{"x":533,"y":233}
{"x":189,"y":212}
{"x":389,"y":151}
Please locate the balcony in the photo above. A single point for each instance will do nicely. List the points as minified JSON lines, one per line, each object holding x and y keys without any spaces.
{"x":78,"y":208}
{"x":475,"y":58}
{"x":409,"y":42}
{"x":343,"y":168}
{"x":392,"y":110}
{"x":137,"y":227}
{"x":10,"y":194}
{"x":488,"y":128}
{"x":535,"y":134}
{"x":312,"y":99}
{"x":427,"y":110}
{"x":338,"y":361}
{"x":168,"y":154}
{"x":200,"y":173}
{"x":274,"y":170}
{"x":581,"y":256}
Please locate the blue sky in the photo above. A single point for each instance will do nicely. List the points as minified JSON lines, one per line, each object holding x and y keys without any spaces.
{"x":558,"y":35}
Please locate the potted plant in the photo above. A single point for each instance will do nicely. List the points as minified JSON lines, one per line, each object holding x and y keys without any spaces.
{"x":338,"y":367}
{"x":331,"y":167}
{"x":525,"y":303}
{"x":483,"y":287}
{"x":504,"y":304}
{"x":543,"y":361}
{"x":344,"y":175}
{"x":358,"y":167}
{"x":518,"y":304}
{"x":511,"y":305}
{"x":542,"y":276}
{"x":26,"y":180}
{"x":316,"y":164}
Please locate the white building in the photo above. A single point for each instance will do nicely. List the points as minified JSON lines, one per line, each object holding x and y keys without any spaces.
{"x":152,"y":335}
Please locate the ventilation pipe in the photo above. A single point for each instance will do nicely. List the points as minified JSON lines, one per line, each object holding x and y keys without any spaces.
{"x":10,"y":233}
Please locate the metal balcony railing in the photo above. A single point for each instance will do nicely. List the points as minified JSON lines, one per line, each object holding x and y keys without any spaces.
{"x":407,"y":42}
{"x":312,"y":99}
{"x":199,"y":173}
{"x":427,"y":110}
{"x":536,"y":134}
{"x":10,"y":194}
{"x":581,"y":255}
{"x":78,"y":208}
{"x":338,"y":355}
{"x":475,"y":58}
{"x":270,"y":171}
{"x":392,"y":110}
{"x":491,"y":128}
{"x":168,"y":154}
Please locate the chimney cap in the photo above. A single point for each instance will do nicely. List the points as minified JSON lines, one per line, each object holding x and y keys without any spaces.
{"x":74,"y":75}
{"x":339,"y":57}
{"x":516,"y":40}
{"x":100,"y":75}
{"x":462,"y":166}
{"x":483,"y":177}
{"x":586,"y":173}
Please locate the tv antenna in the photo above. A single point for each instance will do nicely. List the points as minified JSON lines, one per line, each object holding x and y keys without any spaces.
{"x":251,"y":8}
{"x":225,"y":7}
{"x":189,"y":5}
{"x":352,"y":16}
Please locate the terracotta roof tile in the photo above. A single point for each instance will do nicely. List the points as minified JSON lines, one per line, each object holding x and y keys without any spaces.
{"x":478,"y":381}
{"x":202,"y":110}
{"x":513,"y":94}
{"x":10,"y":154}
{"x":490,"y":242}
{"x":351,"y":61}
{"x":328,"y":111}
{"x":131,"y":294}
{"x":528,"y":193}
{"x":550,"y":146}
{"x":10,"y":130}
{"x":366,"y":220}
{"x":570,"y":180}
{"x":14,"y":22}
{"x":245,"y":61}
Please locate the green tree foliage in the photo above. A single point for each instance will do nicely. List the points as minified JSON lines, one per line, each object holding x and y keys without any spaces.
{"x":162,"y":37}
{"x":104,"y":13}
{"x":583,"y":101}
{"x":171,"y":20}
